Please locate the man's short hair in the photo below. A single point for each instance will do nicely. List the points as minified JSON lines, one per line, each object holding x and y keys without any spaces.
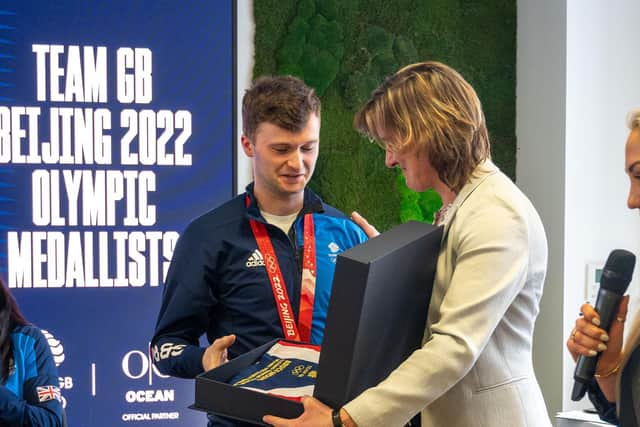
{"x":284,"y":101}
{"x":432,"y":106}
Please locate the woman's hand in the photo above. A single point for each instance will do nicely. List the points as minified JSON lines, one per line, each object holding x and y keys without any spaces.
{"x":587,"y":339}
{"x":316,"y":414}
{"x":369,"y":229}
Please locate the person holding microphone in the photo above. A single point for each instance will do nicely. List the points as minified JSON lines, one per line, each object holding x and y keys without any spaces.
{"x":615,"y":389}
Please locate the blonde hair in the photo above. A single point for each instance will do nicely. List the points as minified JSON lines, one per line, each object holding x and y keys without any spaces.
{"x":432,"y":106}
{"x":633,"y":118}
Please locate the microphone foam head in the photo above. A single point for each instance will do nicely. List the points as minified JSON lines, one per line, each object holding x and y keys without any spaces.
{"x":617,"y":271}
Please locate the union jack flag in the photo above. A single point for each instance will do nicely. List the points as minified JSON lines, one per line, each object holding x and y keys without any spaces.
{"x":47,"y":393}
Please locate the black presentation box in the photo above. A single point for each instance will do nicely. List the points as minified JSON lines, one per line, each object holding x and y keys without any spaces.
{"x":376,"y":318}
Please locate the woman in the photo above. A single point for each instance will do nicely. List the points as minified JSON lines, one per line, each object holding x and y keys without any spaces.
{"x":617,"y":372}
{"x":475,"y":366}
{"x":29,"y":393}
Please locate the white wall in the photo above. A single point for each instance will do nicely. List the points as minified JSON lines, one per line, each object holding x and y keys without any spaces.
{"x":245,"y":55}
{"x":577,"y":78}
{"x":540,"y":168}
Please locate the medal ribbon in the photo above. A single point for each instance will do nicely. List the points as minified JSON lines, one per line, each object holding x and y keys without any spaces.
{"x":283,"y":304}
{"x":308,"y":288}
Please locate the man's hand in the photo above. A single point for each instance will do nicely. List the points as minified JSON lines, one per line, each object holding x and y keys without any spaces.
{"x":216,"y":354}
{"x":369,"y":229}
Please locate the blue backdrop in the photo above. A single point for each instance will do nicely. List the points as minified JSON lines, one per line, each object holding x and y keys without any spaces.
{"x":116,"y":129}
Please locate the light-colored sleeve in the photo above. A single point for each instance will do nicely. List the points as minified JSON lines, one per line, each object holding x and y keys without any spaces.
{"x":491,"y":243}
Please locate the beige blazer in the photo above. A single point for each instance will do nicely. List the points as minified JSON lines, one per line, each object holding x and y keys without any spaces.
{"x":475,"y":367}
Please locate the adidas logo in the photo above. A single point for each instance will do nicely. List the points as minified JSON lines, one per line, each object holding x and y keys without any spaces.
{"x":255,"y":259}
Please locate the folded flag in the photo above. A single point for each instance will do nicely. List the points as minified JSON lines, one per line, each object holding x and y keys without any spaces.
{"x":286,"y":370}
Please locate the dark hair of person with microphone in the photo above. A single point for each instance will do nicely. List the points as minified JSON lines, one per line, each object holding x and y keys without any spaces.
{"x":29,"y":392}
{"x":615,"y":389}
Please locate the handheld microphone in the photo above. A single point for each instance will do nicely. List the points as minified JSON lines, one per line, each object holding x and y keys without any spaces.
{"x":614,"y":282}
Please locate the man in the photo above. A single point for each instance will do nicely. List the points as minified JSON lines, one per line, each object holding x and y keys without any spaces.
{"x":217,"y":282}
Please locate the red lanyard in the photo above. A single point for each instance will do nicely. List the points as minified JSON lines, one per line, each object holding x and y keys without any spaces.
{"x":308,"y":289}
{"x":285,"y":311}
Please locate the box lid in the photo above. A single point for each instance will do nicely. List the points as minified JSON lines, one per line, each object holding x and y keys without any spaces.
{"x":378,"y":310}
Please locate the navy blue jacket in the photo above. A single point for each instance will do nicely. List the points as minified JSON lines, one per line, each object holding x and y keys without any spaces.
{"x":217,"y":282}
{"x":30,"y":396}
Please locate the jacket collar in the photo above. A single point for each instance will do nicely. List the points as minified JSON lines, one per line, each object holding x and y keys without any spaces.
{"x":312,"y":204}
{"x":479,"y":174}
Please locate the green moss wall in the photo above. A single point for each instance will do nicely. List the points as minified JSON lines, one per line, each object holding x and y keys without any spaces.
{"x":345,"y":48}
